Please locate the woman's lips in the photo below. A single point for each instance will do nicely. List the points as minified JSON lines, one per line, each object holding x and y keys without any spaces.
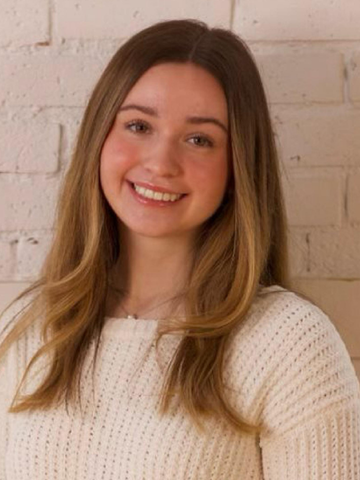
{"x":155,"y":188}
{"x":150,"y":201}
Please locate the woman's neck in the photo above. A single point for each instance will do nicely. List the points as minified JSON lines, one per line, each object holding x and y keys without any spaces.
{"x":149,"y":272}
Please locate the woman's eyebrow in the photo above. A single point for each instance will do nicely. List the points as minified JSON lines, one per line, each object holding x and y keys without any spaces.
{"x":191,"y":119}
{"x":132,"y":106}
{"x":197,"y":120}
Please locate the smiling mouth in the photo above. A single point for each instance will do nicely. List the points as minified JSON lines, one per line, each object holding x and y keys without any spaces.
{"x":155,"y":195}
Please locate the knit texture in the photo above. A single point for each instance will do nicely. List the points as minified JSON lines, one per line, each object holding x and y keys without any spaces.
{"x":286,"y":368}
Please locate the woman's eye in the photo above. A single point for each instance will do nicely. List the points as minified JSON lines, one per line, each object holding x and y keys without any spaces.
{"x":201,"y":141}
{"x":137,"y":126}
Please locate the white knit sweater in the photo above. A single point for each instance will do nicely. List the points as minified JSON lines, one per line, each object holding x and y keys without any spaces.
{"x":286,"y":367}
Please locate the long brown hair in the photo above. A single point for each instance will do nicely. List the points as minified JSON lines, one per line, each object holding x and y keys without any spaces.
{"x":242,"y":246}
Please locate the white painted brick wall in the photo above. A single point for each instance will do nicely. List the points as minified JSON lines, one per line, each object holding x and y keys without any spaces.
{"x":31,"y":252}
{"x":334,"y":252}
{"x":29,"y":147}
{"x":299,"y":247}
{"x":354,"y":78}
{"x":303,"y":78}
{"x":7,"y":260}
{"x":308,"y":52}
{"x":28,"y":202}
{"x":119,"y":19}
{"x":302,"y":20}
{"x":354,"y":197}
{"x":317,"y":136}
{"x":43,"y":80}
{"x":24,"y":23}
{"x":314,"y":197}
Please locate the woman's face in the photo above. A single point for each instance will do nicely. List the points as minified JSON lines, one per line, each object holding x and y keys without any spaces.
{"x":164,"y":164}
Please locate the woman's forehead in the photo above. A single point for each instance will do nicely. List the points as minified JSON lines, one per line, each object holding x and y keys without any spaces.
{"x":179,"y":86}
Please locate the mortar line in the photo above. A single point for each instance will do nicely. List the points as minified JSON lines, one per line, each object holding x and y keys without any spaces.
{"x":232,"y":13}
{"x":51,"y":21}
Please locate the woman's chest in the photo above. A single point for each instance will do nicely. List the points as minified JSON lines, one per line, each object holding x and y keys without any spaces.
{"x":126,"y":440}
{"x":117,"y":432}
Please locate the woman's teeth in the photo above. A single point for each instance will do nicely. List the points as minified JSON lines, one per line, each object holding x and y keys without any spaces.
{"x":164,"y":197}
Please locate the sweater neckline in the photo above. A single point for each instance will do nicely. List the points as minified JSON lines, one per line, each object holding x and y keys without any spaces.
{"x":117,"y":326}
{"x":143,"y":327}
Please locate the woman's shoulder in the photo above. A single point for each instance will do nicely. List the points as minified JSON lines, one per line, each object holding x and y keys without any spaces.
{"x":276,"y":322}
{"x":288,"y":350}
{"x":279,"y":311}
{"x":284,"y":324}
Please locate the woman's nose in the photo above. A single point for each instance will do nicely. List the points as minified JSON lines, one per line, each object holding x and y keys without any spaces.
{"x":163,"y":159}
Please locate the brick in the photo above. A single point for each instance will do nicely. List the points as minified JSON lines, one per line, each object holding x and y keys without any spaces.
{"x":31,"y":251}
{"x":354,"y":197}
{"x":319,"y":137}
{"x":303,"y":77}
{"x":29,"y":147}
{"x":298,"y":251}
{"x":24,"y":23}
{"x":354,"y":78}
{"x":83,"y":19}
{"x":47,"y":80}
{"x":69,"y":137}
{"x":340,"y":301}
{"x":334,"y":252}
{"x":314,"y":198}
{"x":8,"y":293}
{"x":305,"y":20}
{"x":27,"y":203}
{"x":6,"y":259}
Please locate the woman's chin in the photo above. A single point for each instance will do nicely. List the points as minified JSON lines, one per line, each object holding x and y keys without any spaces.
{"x":157,"y":231}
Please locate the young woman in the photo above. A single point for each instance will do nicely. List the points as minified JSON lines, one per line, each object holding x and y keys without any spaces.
{"x":162,"y":339}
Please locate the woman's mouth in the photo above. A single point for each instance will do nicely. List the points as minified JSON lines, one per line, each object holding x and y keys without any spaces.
{"x":147,"y":194}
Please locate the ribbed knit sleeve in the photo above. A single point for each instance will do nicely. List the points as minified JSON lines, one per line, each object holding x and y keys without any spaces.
{"x":311,"y":412}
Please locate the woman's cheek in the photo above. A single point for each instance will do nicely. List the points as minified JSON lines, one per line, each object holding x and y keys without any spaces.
{"x":119,"y":154}
{"x":209,"y":172}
